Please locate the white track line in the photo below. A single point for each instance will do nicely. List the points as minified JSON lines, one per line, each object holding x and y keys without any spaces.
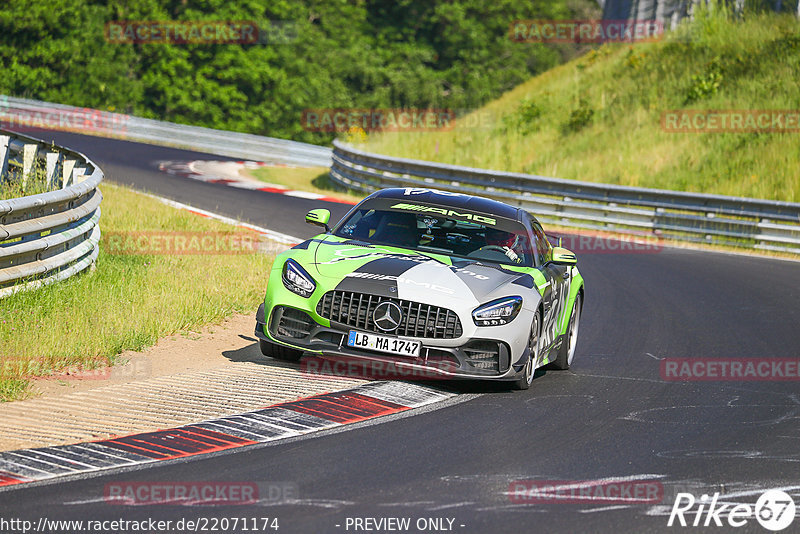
{"x":275,"y":236}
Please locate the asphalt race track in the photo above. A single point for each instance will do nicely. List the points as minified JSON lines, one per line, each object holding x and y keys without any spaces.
{"x":612,"y":415}
{"x":136,"y":165}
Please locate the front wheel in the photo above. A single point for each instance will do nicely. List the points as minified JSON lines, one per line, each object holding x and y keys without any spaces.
{"x":567,"y":351}
{"x":525,"y":381}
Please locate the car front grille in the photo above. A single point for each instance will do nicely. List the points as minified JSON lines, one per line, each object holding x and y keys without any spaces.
{"x":419,"y":320}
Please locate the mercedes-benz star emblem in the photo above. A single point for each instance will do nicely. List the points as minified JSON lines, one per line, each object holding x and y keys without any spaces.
{"x":387,"y":316}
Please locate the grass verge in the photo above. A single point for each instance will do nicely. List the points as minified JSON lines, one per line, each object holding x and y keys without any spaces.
{"x":13,"y":186}
{"x":129,"y":301}
{"x":599,"y":118}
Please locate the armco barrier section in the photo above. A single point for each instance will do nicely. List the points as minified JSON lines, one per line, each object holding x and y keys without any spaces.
{"x":49,"y":236}
{"x":18,"y":113}
{"x":694,"y":217}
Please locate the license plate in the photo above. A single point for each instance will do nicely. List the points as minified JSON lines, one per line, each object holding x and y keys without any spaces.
{"x":390,"y":345}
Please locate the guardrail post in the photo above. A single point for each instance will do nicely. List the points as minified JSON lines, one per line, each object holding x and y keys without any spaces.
{"x":28,"y":156}
{"x":66,"y":172}
{"x":51,"y":165}
{"x":4,"y":140}
{"x":78,"y":175}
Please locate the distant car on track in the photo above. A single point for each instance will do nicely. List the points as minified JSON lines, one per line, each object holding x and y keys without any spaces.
{"x":443,"y":283}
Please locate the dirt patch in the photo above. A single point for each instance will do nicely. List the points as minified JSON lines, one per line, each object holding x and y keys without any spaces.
{"x":175,"y":354}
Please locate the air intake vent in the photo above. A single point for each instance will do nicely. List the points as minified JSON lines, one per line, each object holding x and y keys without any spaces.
{"x":292,"y":323}
{"x":483,"y":355}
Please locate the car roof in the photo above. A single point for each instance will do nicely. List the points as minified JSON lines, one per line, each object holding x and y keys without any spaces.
{"x":454,"y":200}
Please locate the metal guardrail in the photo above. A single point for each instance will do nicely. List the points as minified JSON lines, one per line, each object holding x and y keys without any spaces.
{"x":18,"y":113}
{"x":714,"y":219}
{"x":49,"y":236}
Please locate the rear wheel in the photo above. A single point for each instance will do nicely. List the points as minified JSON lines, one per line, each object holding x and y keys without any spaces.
{"x":567,"y":351}
{"x":280,"y":352}
{"x":525,"y":381}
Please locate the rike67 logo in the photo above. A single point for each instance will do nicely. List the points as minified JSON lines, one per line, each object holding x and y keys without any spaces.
{"x":774,"y":510}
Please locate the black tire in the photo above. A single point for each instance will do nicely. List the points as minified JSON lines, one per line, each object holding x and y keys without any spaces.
{"x":525,"y":381}
{"x":567,"y":350}
{"x":280,"y":352}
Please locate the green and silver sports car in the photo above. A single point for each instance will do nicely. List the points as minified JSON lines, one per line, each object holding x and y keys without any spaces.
{"x":446,"y":284}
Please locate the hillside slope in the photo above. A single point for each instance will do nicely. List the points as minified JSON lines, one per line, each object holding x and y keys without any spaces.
{"x":599,"y":117}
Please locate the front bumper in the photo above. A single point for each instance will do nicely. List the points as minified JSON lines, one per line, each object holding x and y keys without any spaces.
{"x":474,"y":358}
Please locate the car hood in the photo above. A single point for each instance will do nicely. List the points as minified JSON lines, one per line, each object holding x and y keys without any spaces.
{"x":349,"y":265}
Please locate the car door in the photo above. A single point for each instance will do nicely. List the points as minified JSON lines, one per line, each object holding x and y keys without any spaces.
{"x":555,"y":291}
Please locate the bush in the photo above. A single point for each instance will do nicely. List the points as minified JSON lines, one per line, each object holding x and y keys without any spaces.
{"x":707,"y":83}
{"x":524,"y":118}
{"x":579,"y":118}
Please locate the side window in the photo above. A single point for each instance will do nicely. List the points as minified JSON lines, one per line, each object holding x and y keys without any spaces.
{"x":542,"y":245}
{"x":361,"y":225}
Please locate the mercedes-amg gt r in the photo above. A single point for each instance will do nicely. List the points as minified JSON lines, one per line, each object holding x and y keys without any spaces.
{"x":446,"y":284}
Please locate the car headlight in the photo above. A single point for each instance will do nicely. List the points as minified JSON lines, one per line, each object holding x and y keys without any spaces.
{"x":297,"y":280}
{"x":497,"y":312}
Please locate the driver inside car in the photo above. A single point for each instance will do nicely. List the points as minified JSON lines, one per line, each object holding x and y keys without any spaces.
{"x":388,"y":227}
{"x":508,"y":242}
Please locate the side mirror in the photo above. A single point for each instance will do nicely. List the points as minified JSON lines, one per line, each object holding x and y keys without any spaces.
{"x":562,"y":256}
{"x":320,"y":217}
{"x":553,"y":240}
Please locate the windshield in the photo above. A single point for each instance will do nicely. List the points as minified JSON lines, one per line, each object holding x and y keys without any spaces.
{"x":459,"y":234}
